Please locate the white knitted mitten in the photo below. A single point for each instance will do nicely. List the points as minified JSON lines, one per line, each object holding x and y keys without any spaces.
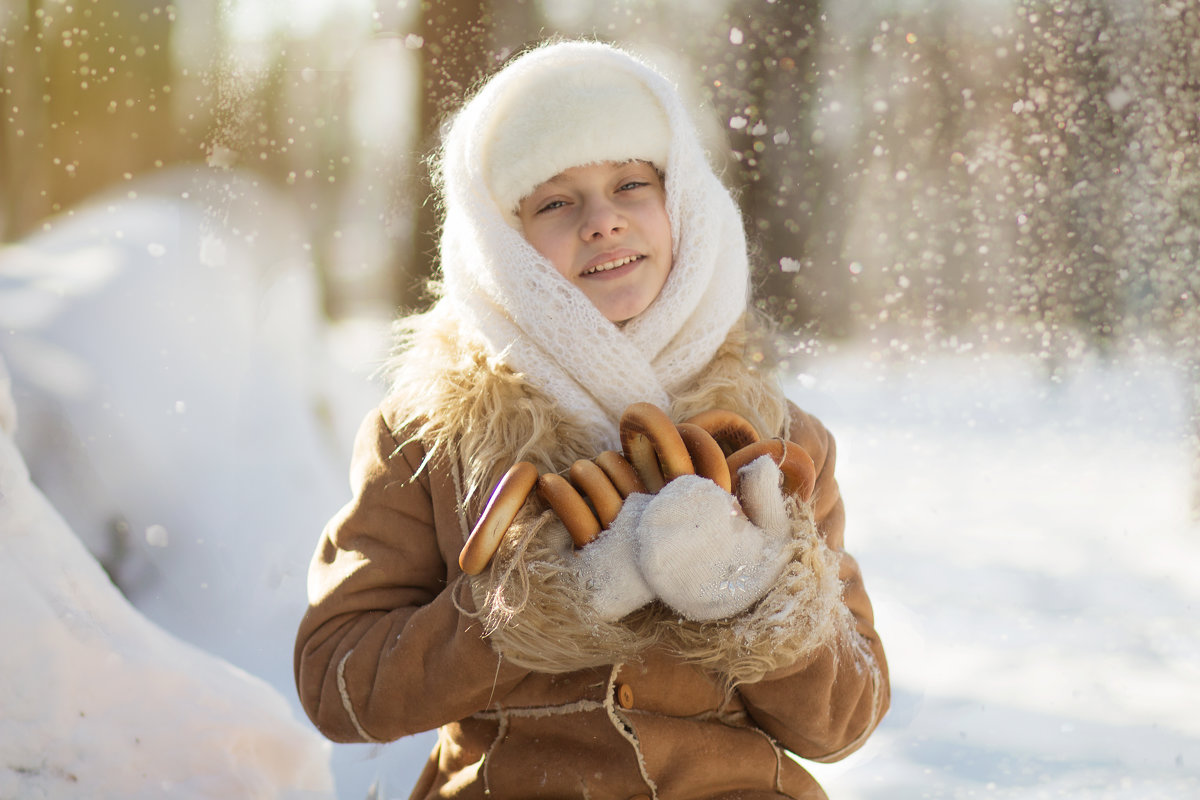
{"x":607,"y":565}
{"x":702,"y":556}
{"x":761,"y":496}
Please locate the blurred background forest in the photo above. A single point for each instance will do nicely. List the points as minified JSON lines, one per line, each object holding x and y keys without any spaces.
{"x":1013,"y":174}
{"x":977,"y":223}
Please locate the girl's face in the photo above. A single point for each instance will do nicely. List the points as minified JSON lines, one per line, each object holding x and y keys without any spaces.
{"x":604,"y":227}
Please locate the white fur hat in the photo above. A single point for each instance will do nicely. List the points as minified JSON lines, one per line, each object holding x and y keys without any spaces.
{"x":575,"y":113}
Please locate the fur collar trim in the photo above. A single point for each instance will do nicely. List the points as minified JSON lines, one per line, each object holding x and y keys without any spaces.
{"x":461,"y":403}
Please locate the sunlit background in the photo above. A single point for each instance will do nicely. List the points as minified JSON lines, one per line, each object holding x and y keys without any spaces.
{"x":988,"y":201}
{"x":915,"y":174}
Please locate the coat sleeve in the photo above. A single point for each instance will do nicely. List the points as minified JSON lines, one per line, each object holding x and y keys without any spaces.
{"x":824,"y":708}
{"x":383,"y":650}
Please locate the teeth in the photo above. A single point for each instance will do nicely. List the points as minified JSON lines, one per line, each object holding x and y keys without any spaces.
{"x":620,"y":262}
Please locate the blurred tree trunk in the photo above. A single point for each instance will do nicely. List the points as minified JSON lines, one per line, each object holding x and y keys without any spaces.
{"x":22,"y":126}
{"x":455,"y":54}
{"x":766,"y":91}
{"x":91,"y":88}
{"x":1191,"y":379}
{"x":1071,"y":144}
{"x":513,"y":25}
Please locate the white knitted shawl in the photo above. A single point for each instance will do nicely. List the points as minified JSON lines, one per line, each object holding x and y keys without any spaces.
{"x":546,"y":329}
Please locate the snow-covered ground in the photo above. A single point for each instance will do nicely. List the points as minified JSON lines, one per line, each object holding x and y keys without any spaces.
{"x":1030,"y":550}
{"x":1027,"y":542}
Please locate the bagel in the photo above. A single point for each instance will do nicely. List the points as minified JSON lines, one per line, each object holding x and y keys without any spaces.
{"x":706,"y":455}
{"x":799,"y":472}
{"x":621,"y":473}
{"x":732,"y":431}
{"x":599,"y":490}
{"x":653,"y":446}
{"x":506,"y":500}
{"x":570,"y":507}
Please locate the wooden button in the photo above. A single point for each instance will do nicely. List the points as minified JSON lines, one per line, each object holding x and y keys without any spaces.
{"x":625,"y":695}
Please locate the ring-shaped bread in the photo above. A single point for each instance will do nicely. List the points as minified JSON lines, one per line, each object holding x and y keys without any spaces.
{"x":622,"y":474}
{"x":707,"y":459}
{"x":570,"y":507}
{"x":653,"y":446}
{"x":799,"y":472}
{"x":591,"y":481}
{"x":731,"y":430}
{"x":506,"y":500}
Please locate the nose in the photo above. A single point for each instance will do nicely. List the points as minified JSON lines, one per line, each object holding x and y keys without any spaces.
{"x":601,"y":219}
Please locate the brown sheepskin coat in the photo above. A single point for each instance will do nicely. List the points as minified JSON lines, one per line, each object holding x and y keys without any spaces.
{"x":394,"y":643}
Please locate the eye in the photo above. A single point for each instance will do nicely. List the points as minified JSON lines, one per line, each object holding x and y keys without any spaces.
{"x":550,"y":206}
{"x":634,"y":184}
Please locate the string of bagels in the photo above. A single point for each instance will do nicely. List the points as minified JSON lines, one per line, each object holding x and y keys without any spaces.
{"x":714,"y":444}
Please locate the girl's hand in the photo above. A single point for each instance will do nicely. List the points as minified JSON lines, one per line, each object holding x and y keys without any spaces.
{"x":608,"y":565}
{"x":702,"y":555}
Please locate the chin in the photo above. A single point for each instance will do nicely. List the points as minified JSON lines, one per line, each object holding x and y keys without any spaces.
{"x":621,"y":319}
{"x":620,"y":313}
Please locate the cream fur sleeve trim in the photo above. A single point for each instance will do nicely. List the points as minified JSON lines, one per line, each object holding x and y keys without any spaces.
{"x":536,"y":611}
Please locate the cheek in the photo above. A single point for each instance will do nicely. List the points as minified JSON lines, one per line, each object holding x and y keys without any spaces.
{"x":556,"y":251}
{"x":551,"y":245}
{"x":657,"y":221}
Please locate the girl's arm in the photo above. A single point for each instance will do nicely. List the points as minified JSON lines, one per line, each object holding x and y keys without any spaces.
{"x":824,"y":708}
{"x":383,"y":650}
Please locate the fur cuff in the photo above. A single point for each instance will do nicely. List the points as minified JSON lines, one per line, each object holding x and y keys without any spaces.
{"x":538,"y":613}
{"x":537,"y":609}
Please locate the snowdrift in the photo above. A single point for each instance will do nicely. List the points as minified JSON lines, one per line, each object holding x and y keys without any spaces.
{"x":99,"y":702}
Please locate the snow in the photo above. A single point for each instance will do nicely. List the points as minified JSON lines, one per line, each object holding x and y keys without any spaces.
{"x":1030,"y":551}
{"x":99,"y":702}
{"x":1026,"y":538}
{"x":167,"y":365}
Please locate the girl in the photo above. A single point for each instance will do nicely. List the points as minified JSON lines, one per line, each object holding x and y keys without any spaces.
{"x":590,"y":260}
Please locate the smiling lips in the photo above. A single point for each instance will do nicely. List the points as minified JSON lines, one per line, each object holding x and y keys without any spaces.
{"x":611,"y":264}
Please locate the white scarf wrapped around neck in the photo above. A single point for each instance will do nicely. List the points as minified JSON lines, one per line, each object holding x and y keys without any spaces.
{"x":538,"y":323}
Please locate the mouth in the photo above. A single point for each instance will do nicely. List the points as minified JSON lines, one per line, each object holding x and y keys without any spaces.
{"x":611,"y":265}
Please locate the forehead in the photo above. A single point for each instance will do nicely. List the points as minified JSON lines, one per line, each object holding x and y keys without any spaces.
{"x":601,"y":171}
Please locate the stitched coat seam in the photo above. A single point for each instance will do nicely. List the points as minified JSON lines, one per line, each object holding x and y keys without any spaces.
{"x":344,"y":692}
